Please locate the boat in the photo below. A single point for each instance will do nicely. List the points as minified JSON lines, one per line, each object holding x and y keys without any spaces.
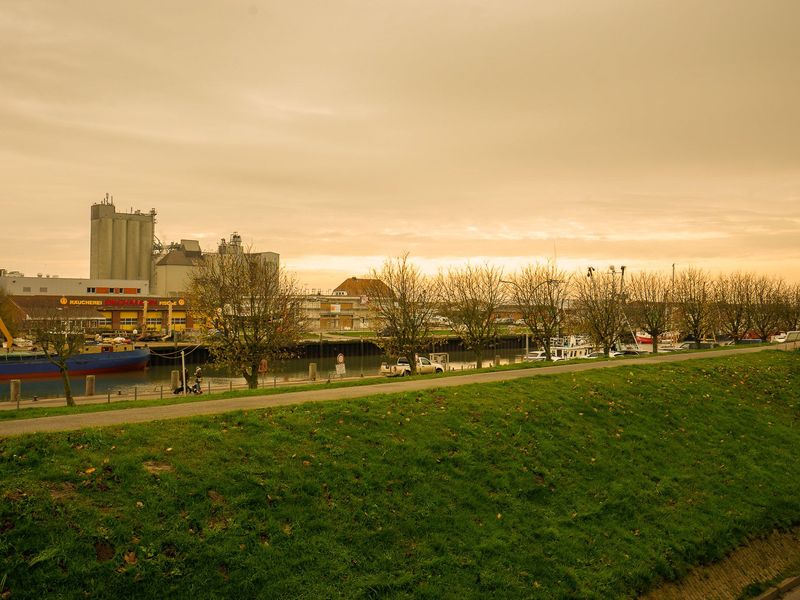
{"x":569,"y":347}
{"x":102,"y":358}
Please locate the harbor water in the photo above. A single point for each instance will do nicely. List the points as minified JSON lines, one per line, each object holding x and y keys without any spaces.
{"x":155,"y":380}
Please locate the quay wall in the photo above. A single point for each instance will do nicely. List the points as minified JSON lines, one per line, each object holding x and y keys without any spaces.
{"x":169,"y":353}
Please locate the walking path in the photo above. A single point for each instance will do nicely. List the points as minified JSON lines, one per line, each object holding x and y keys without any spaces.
{"x":210,"y":407}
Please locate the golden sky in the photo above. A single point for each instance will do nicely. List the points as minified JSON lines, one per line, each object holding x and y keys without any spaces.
{"x":339,"y":132}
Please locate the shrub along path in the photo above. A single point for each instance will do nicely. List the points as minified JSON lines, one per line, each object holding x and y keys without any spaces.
{"x":598,"y":484}
{"x":210,"y":407}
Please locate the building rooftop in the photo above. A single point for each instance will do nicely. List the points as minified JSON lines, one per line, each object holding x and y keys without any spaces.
{"x":354,"y":286}
{"x":184,"y":258}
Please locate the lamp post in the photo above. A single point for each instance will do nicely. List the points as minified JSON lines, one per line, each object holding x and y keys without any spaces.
{"x":621,"y":296}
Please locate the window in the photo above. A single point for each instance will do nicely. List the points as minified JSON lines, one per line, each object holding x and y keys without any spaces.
{"x":90,"y":290}
{"x":26,"y":288}
{"x":42,"y":289}
{"x":129,"y":321}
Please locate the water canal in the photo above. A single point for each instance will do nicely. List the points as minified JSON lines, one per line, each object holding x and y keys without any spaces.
{"x":155,"y":380}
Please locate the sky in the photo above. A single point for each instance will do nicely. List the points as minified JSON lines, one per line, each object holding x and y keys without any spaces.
{"x":339,"y":133}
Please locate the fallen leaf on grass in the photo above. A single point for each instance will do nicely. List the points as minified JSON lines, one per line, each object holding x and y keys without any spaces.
{"x":130,"y":557}
{"x":90,"y":470}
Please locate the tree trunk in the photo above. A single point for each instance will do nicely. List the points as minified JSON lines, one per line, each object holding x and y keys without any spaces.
{"x":479,"y":359}
{"x":546,"y":344}
{"x":655,"y":342}
{"x":251,"y":377}
{"x":67,"y":386}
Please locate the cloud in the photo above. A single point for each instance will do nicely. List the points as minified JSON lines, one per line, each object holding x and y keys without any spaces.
{"x":607,"y":128}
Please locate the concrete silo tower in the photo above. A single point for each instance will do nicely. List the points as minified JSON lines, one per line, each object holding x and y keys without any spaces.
{"x":121,"y":243}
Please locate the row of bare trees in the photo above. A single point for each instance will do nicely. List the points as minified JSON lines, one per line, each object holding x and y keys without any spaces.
{"x":602,"y":304}
{"x":253,"y":311}
{"x":404,"y":302}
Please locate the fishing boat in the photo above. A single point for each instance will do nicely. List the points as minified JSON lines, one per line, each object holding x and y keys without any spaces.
{"x":95,"y":359}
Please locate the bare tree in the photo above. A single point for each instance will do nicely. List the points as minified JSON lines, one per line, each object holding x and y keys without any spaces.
{"x":733,"y":300}
{"x":252,"y":310}
{"x":471,"y":297}
{"x":52,"y":331}
{"x":693,"y":300}
{"x":790,"y":308}
{"x":765,"y":313}
{"x":649,"y":304}
{"x":599,"y":301}
{"x":402,"y":300}
{"x":540,"y":292}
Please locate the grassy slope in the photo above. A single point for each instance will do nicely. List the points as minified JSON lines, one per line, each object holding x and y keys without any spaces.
{"x":36,"y":412}
{"x":589,"y":485}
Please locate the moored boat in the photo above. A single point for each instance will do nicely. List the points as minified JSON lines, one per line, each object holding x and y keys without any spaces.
{"x":103,"y":358}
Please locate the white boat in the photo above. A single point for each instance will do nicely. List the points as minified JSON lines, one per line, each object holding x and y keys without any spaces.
{"x":567,"y":348}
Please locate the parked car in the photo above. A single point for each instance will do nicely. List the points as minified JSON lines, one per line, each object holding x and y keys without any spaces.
{"x":403,"y":367}
{"x":601,"y":354}
{"x":537,"y":355}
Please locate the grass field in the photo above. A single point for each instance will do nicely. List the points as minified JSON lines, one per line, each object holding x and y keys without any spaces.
{"x":595,"y":485}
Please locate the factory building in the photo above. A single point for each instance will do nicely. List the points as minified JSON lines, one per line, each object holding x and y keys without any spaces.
{"x":121,"y":244}
{"x":134,"y":284}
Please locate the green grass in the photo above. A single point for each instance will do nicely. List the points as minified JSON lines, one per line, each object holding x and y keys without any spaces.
{"x":50,"y":411}
{"x":590,"y":485}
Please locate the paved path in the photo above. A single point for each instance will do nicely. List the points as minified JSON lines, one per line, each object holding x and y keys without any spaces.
{"x":210,"y":407}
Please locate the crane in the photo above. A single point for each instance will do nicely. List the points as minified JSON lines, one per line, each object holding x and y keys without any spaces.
{"x":9,"y":338}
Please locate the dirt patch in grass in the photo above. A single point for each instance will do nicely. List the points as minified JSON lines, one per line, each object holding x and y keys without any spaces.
{"x":761,"y":560}
{"x":61,"y":491}
{"x":155,"y":468}
{"x":216,"y":497}
{"x":104,"y":550}
{"x":15,"y":496}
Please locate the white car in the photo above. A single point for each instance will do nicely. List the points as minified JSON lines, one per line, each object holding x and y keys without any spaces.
{"x":403,"y":368}
{"x":601,"y":354}
{"x":538,"y":355}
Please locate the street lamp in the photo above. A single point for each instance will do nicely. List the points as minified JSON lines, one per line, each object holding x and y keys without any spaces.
{"x":613,"y":270}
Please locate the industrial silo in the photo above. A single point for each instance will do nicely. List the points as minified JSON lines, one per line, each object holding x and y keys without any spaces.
{"x":121,"y":243}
